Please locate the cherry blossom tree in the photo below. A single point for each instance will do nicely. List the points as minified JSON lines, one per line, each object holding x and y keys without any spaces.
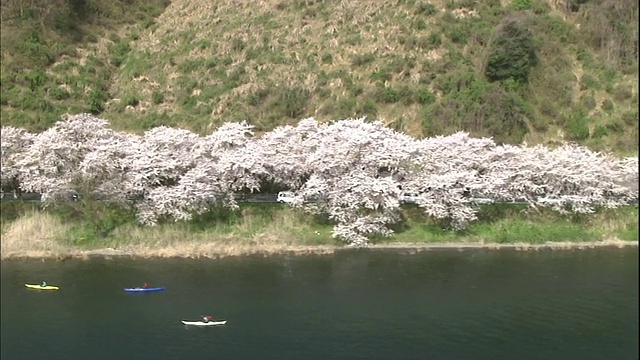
{"x":212,"y":169}
{"x":354,"y":171}
{"x":107,"y":170}
{"x":628,"y":172}
{"x":446,"y":173}
{"x":50,"y":165}
{"x":13,"y":143}
{"x":284,"y":152}
{"x":353,"y":167}
{"x":569,"y":178}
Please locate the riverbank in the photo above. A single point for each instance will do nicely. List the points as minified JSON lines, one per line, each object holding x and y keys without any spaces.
{"x":281,"y":230}
{"x":215,"y":250}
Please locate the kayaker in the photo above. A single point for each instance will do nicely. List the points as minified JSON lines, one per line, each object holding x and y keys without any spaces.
{"x":44,"y":284}
{"x":207,"y":318}
{"x":146,"y":285}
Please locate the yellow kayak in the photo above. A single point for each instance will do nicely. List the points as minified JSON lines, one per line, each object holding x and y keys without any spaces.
{"x":40,"y":287}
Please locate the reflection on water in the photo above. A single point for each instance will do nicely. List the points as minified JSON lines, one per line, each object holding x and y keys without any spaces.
{"x":351,"y":305}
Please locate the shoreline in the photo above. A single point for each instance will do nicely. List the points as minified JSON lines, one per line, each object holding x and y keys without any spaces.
{"x":215,"y":251}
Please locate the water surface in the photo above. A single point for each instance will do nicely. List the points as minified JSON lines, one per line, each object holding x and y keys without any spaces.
{"x":471,"y":304}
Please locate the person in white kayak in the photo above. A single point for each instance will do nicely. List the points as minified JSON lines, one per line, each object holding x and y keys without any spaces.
{"x":206,"y":318}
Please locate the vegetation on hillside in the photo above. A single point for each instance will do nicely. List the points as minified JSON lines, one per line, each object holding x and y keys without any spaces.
{"x":520,"y":70}
{"x":59,"y":56}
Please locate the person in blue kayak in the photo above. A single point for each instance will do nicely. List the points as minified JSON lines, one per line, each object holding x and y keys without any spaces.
{"x":146,"y":285}
{"x":44,"y":284}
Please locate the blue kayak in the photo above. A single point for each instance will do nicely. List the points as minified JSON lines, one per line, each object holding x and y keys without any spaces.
{"x":140,"y":289}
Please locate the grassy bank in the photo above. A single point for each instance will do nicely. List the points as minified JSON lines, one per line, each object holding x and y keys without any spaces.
{"x":540,"y":71}
{"x":28,"y":231}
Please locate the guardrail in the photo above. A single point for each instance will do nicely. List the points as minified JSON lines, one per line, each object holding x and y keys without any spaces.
{"x":36,"y":197}
{"x":259,"y":198}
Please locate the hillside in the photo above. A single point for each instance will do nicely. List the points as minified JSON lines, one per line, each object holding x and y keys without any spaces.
{"x":521,"y":70}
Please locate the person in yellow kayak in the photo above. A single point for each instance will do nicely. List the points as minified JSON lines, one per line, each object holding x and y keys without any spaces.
{"x":44,"y":284}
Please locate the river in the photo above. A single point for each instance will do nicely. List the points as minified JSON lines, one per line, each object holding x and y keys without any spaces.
{"x":355,"y":304}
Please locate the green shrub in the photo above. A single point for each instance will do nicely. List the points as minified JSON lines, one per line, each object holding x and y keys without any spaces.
{"x":253,"y":52}
{"x":43,"y":105}
{"x":95,"y":101}
{"x":354,"y":40}
{"x":147,"y":22}
{"x":257,"y":97}
{"x":584,"y":57}
{"x":362,"y":59}
{"x":322,"y":78}
{"x":130,"y":100}
{"x":458,"y":35}
{"x":345,"y":108}
{"x":599,"y":132}
{"x":93,"y":219}
{"x":157,"y":97}
{"x":357,"y":90}
{"x":406,"y":95}
{"x":36,"y":49}
{"x":59,"y":93}
{"x":381,"y":75}
{"x":607,"y":106}
{"x":512,"y":53}
{"x":419,"y":24}
{"x":501,"y":114}
{"x":387,"y":95}
{"x":590,"y":82}
{"x":24,"y":100}
{"x":425,"y":96}
{"x":291,"y":101}
{"x":397,"y":65}
{"x":368,"y":109}
{"x":540,"y":7}
{"x":237,"y":44}
{"x":134,"y":35}
{"x":559,"y":28}
{"x":615,"y":126}
{"x":190,"y":65}
{"x":323,"y":93}
{"x":577,"y":127}
{"x":426,"y":9}
{"x":426,"y":120}
{"x":327,"y":58}
{"x":521,"y":4}
{"x":63,"y":66}
{"x":426,"y":42}
{"x":36,"y":78}
{"x":630,"y":118}
{"x":630,"y":232}
{"x":119,"y":53}
{"x":623,"y":93}
{"x":610,"y":76}
{"x":588,"y":102}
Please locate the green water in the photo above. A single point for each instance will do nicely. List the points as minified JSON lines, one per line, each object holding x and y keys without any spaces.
{"x":352,"y":305}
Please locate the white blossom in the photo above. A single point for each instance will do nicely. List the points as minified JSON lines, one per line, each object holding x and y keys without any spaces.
{"x":353,"y":171}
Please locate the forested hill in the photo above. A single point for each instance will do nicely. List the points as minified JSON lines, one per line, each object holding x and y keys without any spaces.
{"x":540,"y":71}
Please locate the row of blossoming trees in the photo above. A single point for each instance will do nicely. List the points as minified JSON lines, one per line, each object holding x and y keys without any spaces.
{"x":359,"y":169}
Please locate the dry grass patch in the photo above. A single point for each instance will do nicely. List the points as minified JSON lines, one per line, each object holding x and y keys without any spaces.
{"x":256,"y":233}
{"x":34,"y":234}
{"x":178,"y":241}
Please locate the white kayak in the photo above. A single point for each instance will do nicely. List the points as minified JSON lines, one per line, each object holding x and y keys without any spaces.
{"x":202,"y":323}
